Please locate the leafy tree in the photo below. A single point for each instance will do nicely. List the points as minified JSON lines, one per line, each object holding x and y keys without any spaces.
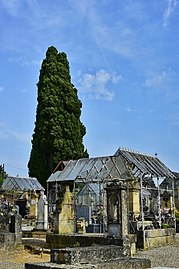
{"x":3,"y":174}
{"x":58,"y":133}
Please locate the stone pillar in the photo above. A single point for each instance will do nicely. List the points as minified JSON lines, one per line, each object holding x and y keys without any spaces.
{"x":45,"y":214}
{"x":117,"y":209}
{"x":65,"y":218}
{"x":124,"y":224}
{"x":33,"y":205}
{"x":104,"y":203}
{"x":134,"y":199}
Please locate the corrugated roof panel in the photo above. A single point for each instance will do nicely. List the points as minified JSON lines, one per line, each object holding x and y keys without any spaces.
{"x":95,"y":187}
{"x":145,"y":163}
{"x":67,"y":171}
{"x":98,"y":169}
{"x":137,"y":161}
{"x":108,"y":169}
{"x":34,"y":184}
{"x":93,"y":174}
{"x":99,"y":164}
{"x":18,"y":183}
{"x":77,"y":169}
{"x":108,"y":163}
{"x":115,"y":174}
{"x":22,"y":184}
{"x":121,"y":167}
{"x":10,"y":184}
{"x":53,"y":177}
{"x":104,"y":174}
{"x":154,"y":167}
{"x":86,"y":171}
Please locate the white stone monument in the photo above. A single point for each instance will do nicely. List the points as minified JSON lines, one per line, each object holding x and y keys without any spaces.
{"x":42,"y":212}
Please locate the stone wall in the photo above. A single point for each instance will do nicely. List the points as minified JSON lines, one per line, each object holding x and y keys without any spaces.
{"x":154,"y":238}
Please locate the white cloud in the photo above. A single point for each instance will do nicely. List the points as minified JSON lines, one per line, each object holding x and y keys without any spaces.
{"x":11,"y":134}
{"x":171,"y":4}
{"x":164,"y":82}
{"x":156,"y":80}
{"x":129,"y":109}
{"x":24,"y":137}
{"x":96,"y":86}
{"x":25,"y":62}
{"x":176,"y":122}
{"x":1,"y":89}
{"x":23,"y":90}
{"x":14,"y":7}
{"x":11,"y":6}
{"x":3,"y":135}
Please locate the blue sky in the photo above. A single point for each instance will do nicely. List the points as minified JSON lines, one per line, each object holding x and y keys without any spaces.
{"x":124,"y":61}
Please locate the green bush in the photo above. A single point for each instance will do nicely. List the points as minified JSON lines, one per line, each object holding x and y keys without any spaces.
{"x":165,"y":226}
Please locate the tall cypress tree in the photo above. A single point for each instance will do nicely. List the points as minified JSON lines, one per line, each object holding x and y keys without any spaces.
{"x":58,"y":133}
{"x":3,"y":174}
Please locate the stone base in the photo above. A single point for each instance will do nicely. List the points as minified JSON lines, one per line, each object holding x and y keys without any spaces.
{"x":154,"y":238}
{"x":123,"y":263}
{"x":86,"y":254}
{"x":61,"y":240}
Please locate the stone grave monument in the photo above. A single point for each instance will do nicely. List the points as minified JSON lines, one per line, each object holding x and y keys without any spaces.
{"x":42,"y":212}
{"x":10,"y":228}
{"x":74,"y":250}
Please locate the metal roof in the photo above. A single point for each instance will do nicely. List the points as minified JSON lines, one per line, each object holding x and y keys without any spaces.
{"x":21,"y":183}
{"x":92,"y":170}
{"x":140,"y":163}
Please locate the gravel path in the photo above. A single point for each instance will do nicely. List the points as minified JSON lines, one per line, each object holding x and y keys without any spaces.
{"x":17,"y":259}
{"x":167,"y":256}
{"x":11,"y":265}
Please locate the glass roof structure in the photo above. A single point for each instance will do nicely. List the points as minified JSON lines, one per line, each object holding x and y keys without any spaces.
{"x":21,"y":183}
{"x":99,"y":169}
{"x":125,"y":164}
{"x":142,"y":164}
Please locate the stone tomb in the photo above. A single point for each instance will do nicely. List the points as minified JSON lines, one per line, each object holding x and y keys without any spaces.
{"x":98,"y":257}
{"x":102,"y":255}
{"x":10,"y":230}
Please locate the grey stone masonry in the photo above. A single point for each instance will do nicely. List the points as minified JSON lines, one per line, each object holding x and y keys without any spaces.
{"x":10,"y":230}
{"x":86,"y":255}
{"x":122,"y":263}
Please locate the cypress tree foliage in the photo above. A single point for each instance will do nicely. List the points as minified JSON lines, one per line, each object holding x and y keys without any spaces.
{"x":58,"y":133}
{"x":3,"y":174}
